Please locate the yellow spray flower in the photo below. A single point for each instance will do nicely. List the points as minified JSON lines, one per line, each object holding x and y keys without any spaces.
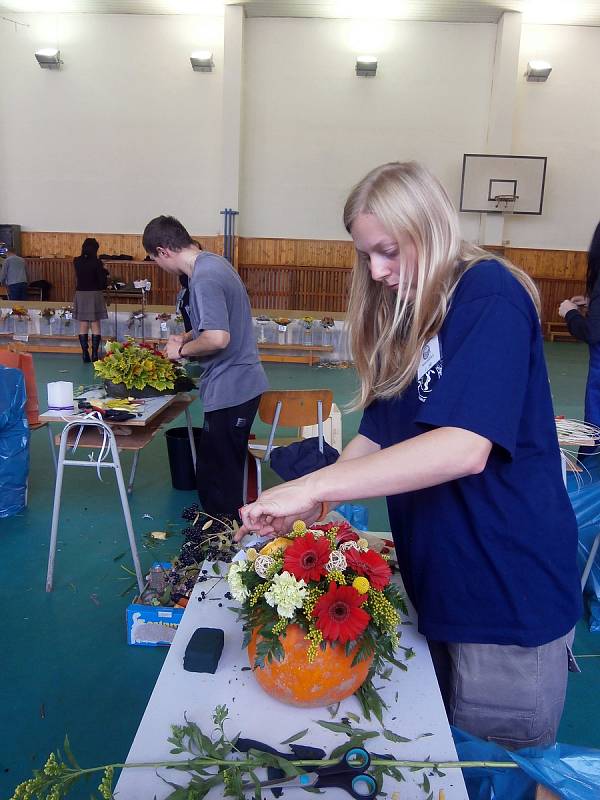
{"x":299,"y":527}
{"x":361,"y":585}
{"x":251,"y":554}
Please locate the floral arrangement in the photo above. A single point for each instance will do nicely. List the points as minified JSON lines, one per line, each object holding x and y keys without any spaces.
{"x":20,"y":312}
{"x":334,"y":586}
{"x":307,"y":322}
{"x":282,"y":321}
{"x":263,"y":318}
{"x":135,"y":316}
{"x":48,"y":313}
{"x":65,"y":314}
{"x":137,"y":366}
{"x":328,"y":322}
{"x":163,"y":317}
{"x":178,"y":319}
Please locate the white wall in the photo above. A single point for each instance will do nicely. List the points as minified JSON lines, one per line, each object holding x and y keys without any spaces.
{"x":561,"y":119}
{"x":312,"y":128}
{"x":124,"y":131}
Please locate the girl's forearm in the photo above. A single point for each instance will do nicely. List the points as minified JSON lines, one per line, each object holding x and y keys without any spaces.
{"x":432,"y":458}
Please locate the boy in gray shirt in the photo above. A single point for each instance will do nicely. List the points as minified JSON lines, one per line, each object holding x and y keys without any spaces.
{"x":13,"y":274}
{"x":222,"y":340}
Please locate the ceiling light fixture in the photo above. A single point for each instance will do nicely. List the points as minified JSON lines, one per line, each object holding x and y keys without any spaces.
{"x":538,"y":71}
{"x":366,"y":66}
{"x":48,"y":58}
{"x":202,"y":61}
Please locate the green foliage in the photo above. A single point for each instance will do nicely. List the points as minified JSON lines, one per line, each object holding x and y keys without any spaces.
{"x":136,"y":366}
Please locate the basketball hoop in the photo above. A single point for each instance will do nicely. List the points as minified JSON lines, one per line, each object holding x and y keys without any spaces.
{"x":505,"y":203}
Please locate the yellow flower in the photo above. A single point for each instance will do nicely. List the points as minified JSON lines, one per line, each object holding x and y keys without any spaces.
{"x":361,"y":585}
{"x":251,"y":554}
{"x":299,"y":527}
{"x":363,"y":544}
{"x":277,"y":544}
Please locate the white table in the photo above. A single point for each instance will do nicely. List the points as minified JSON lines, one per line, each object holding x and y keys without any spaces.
{"x":419,"y":709}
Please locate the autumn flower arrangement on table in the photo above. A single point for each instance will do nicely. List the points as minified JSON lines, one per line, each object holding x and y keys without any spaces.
{"x":320,"y":615}
{"x":137,"y":366}
{"x":19,"y":312}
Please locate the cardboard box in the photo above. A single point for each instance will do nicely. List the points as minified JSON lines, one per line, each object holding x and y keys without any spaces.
{"x":152,"y":626}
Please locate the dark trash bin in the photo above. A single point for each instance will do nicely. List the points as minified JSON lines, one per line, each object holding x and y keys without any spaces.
{"x":183,"y":476}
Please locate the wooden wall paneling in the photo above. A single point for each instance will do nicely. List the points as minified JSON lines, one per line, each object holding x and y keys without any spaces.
{"x":68,"y":244}
{"x":553,"y":291}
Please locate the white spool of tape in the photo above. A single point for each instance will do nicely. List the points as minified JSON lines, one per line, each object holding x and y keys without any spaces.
{"x":60,"y":396}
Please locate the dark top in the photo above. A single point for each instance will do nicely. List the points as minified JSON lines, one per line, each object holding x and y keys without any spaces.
{"x":488,"y":558}
{"x":90,"y":274}
{"x":586,"y":328}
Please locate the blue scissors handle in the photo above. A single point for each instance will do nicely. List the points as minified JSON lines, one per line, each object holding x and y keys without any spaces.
{"x":350,"y":774}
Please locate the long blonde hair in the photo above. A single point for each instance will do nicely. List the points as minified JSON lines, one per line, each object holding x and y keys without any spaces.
{"x":387,"y":329}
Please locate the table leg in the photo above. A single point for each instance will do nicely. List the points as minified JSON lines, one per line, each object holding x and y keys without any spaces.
{"x":136,"y":456}
{"x":188,"y":418}
{"x":52,"y":447}
{"x":56,"y":508}
{"x":126,"y":511}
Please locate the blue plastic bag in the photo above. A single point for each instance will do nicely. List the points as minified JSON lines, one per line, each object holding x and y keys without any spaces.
{"x":585,"y":499}
{"x":357,"y":516}
{"x":571,"y":772}
{"x":14,"y":442}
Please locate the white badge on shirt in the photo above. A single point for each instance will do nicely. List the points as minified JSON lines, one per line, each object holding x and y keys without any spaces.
{"x":430,"y":356}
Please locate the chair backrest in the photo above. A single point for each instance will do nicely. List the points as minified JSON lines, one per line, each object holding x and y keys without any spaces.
{"x":299,"y":407}
{"x":295,"y":408}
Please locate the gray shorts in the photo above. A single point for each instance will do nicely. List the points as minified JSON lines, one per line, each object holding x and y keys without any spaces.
{"x":505,"y":693}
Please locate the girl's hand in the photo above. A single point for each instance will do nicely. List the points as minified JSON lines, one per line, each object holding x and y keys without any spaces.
{"x":565,"y":307}
{"x":275,"y":511}
{"x":580,"y":300}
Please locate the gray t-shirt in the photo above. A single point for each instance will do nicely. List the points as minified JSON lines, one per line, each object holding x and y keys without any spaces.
{"x":219,"y":302}
{"x":14,"y":270}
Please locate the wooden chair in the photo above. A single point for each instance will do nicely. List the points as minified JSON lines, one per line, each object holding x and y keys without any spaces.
{"x":290,"y":408}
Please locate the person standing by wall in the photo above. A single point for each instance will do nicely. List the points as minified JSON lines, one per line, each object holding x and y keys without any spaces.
{"x":588,"y":330}
{"x":222,"y":340}
{"x":89,"y":306}
{"x":458,"y":432}
{"x":13,"y":274}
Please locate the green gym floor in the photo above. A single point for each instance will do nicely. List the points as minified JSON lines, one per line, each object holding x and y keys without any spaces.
{"x":65,"y":666}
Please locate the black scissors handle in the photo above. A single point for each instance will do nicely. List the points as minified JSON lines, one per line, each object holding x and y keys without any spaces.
{"x":299,"y":752}
{"x":350,"y":773}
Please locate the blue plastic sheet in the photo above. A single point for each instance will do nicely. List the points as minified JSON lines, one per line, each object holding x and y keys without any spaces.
{"x":357,"y":516}
{"x":14,"y":442}
{"x":585,"y":499}
{"x":571,"y":772}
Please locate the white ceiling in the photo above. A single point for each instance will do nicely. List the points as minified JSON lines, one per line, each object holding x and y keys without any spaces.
{"x":562,"y":12}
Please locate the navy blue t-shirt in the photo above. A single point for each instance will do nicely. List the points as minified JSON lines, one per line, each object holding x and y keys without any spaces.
{"x":489,"y":558}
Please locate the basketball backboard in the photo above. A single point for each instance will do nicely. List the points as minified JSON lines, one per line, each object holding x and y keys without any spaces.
{"x":517,"y":181}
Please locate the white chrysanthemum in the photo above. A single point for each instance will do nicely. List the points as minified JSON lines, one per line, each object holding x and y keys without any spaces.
{"x":337,"y":562}
{"x":234,"y":578}
{"x":316,"y":534}
{"x":286,"y":594}
{"x":363,"y":544}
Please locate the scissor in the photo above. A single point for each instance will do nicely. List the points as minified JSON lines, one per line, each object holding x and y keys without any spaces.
{"x":349,"y":773}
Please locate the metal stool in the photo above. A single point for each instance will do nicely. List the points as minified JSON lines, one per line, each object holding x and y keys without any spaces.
{"x":114,"y":464}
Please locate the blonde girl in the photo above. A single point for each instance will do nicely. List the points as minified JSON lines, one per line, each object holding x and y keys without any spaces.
{"x":458,"y":433}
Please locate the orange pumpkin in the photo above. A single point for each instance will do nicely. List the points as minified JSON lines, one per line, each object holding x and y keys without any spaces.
{"x":297,"y":682}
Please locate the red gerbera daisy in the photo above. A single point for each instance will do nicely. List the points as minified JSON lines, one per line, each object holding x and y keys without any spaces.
{"x":339,"y":615}
{"x":343,"y":533}
{"x":306,"y":557}
{"x":371,"y":565}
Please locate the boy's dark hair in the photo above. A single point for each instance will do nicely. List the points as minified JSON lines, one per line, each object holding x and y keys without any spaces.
{"x":165,"y":232}
{"x":89,"y":248}
{"x":593,"y":259}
